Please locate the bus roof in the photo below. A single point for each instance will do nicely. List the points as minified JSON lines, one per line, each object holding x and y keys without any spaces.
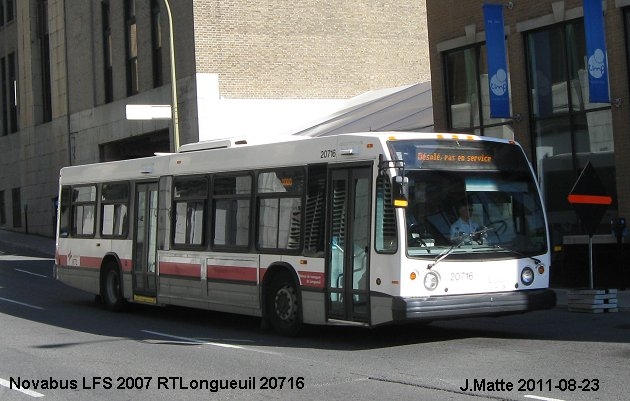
{"x":245,"y":153}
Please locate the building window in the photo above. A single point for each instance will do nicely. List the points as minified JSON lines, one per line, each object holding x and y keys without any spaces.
{"x":567,"y":129}
{"x":9,"y":10}
{"x":3,"y":215}
{"x":13,"y":93}
{"x":107,"y":52}
{"x":16,"y":199}
{"x":132,"y":47}
{"x":467,"y":93}
{"x":156,"y":40}
{"x":44,"y":42}
{"x":4,"y":96}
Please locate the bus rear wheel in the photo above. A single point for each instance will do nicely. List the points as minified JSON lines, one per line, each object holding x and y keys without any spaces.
{"x":283,"y":308}
{"x":111,"y":289}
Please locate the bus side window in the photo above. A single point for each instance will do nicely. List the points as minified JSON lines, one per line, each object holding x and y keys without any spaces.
{"x":314,"y":211}
{"x":114,"y":210}
{"x":189,"y":204}
{"x":386,"y":232}
{"x":83,"y":210}
{"x":64,"y":212}
{"x":231,"y":208}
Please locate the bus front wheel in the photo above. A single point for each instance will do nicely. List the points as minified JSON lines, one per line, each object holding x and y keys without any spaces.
{"x":283,"y":308}
{"x":111,"y":289}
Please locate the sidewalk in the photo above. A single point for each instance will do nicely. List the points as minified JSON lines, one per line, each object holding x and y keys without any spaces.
{"x":35,"y":243}
{"x":46,"y":246}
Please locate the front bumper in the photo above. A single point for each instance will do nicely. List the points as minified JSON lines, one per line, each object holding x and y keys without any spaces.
{"x":458,"y":306}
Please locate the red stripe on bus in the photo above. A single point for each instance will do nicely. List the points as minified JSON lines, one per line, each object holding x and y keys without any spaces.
{"x":236,"y":273}
{"x":181,"y":269}
{"x":90,"y":262}
{"x":591,"y":199}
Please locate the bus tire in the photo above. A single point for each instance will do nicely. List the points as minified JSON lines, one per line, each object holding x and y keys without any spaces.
{"x":111,"y":288}
{"x":283,"y":306}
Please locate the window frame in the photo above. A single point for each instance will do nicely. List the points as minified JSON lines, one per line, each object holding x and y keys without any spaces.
{"x":299,"y":194}
{"x":483,"y":128}
{"x":214,"y":197}
{"x":115,"y":202}
{"x":74,"y":204}
{"x":187,"y":199}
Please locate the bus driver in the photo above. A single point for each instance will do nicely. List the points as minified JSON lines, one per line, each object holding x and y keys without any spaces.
{"x":464,"y":226}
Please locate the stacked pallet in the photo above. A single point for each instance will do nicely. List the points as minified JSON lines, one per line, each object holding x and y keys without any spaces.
{"x":592,"y":301}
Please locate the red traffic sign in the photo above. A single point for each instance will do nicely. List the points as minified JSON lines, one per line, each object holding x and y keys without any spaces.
{"x":589,"y":198}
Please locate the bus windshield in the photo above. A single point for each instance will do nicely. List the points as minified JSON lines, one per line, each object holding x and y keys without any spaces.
{"x":485,"y":205}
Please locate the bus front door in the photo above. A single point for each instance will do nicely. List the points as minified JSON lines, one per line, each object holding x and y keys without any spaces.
{"x":145,"y":242}
{"x":348,"y":244}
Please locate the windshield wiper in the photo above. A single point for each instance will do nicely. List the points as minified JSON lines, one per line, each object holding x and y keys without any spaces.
{"x":476,"y":236}
{"x":517,"y":253}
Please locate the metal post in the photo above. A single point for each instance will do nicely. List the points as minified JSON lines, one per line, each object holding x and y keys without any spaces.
{"x":590,"y":262}
{"x":173,"y":80}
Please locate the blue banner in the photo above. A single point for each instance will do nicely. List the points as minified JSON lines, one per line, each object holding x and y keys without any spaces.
{"x":596,"y":52}
{"x":497,"y":64}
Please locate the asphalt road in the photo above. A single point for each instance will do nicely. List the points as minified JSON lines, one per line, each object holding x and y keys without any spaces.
{"x":58,"y":344}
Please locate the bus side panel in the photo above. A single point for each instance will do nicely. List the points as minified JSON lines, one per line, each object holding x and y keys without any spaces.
{"x":233,"y":281}
{"x":180,"y":276}
{"x":79,"y":263}
{"x":310,"y":272}
{"x":385,"y":279}
{"x":122,"y":248}
{"x":313,"y":307}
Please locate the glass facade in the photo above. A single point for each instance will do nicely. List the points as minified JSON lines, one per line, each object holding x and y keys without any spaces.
{"x":568,"y":130}
{"x":466,"y":73}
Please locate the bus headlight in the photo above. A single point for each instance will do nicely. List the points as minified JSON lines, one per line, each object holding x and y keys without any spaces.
{"x":527,"y":276}
{"x":431,"y":280}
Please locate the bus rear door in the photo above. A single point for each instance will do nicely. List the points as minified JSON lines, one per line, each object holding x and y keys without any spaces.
{"x":145,"y":242}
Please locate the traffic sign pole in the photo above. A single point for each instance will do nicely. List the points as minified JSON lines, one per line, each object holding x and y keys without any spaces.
{"x":590,"y":201}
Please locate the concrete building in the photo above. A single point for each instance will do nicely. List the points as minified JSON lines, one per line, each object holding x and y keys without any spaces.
{"x":70,"y":67}
{"x":551,"y":114}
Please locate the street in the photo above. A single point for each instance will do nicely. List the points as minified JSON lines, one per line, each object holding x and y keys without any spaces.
{"x":58,"y":344}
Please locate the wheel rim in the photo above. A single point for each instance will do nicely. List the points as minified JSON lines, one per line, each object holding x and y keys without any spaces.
{"x":286,"y":303}
{"x":113,"y":287}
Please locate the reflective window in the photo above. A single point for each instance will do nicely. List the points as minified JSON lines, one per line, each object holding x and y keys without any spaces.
{"x":190,"y":197}
{"x":568,"y":129}
{"x":83,"y":210}
{"x":114,"y":209}
{"x":280,"y":208}
{"x":467,"y":91}
{"x":231,"y":216}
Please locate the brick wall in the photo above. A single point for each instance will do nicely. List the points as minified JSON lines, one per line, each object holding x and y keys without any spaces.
{"x":310,"y":48}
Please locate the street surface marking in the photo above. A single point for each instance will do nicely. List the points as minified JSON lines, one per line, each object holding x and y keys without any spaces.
{"x":535,"y":397}
{"x":31,"y":393}
{"x":200,"y":342}
{"x":21,"y":303}
{"x":27,"y":272}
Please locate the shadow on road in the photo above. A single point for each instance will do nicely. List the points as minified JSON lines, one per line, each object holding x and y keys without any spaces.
{"x":27,"y":284}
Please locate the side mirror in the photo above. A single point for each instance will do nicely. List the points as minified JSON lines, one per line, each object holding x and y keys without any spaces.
{"x":400,"y":191}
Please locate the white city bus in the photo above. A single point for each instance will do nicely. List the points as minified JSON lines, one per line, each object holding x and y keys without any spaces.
{"x":346,"y":229}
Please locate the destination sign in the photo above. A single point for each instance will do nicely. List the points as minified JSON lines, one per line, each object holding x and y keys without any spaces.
{"x":455,"y":155}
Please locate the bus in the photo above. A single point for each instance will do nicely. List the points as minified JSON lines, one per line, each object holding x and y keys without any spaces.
{"x":351,"y":229}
